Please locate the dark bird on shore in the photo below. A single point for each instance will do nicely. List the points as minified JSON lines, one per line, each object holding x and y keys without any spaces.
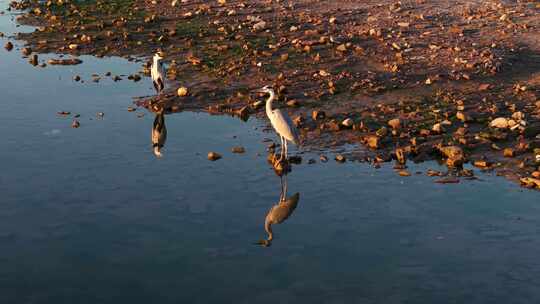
{"x":157,"y":72}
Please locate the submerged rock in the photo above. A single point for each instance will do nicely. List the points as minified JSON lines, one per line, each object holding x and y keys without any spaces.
{"x":238,"y":149}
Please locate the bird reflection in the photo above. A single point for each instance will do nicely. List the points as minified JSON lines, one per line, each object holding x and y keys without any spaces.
{"x":281,"y":211}
{"x":159,"y":133}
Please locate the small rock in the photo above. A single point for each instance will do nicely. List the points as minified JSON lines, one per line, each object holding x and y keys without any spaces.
{"x":259,"y":26}
{"x":437,"y":128}
{"x":213,"y":156}
{"x":372,"y":142}
{"x":26,"y":51}
{"x":131,"y":109}
{"x":75,"y":124}
{"x":238,"y":149}
{"x":348,"y":123}
{"x":323,"y":158}
{"x":8,"y":46}
{"x":447,"y":180}
{"x":316,"y":115}
{"x":293,"y":103}
{"x":481,"y":164}
{"x":404,"y":173}
{"x":340,"y":158}
{"x":342,"y":48}
{"x":77,"y":78}
{"x":182,"y":91}
{"x":508,"y":152}
{"x":394,"y":123}
{"x":500,"y":123}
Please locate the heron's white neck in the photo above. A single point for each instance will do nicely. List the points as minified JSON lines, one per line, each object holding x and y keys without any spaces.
{"x":156,"y":60}
{"x":269,"y":101}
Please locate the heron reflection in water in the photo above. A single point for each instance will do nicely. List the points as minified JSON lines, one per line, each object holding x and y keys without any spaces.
{"x":159,"y":133}
{"x":279,"y":212}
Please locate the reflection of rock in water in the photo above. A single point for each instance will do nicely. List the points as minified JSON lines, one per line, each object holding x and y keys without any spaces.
{"x":159,"y":133}
{"x":280,"y":165}
{"x":279,"y":212}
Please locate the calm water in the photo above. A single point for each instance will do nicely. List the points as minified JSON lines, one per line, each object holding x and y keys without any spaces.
{"x":89,"y":215}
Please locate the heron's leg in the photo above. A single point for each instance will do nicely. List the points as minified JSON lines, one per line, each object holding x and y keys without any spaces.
{"x":281,"y":195}
{"x":285,"y":187}
{"x":286,"y":149}
{"x":282,"y":151}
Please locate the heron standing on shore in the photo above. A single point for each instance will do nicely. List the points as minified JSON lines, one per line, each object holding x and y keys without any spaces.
{"x":157,"y":72}
{"x":281,"y":122}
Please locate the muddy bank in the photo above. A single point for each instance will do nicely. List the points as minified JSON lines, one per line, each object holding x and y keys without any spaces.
{"x":456,"y":80}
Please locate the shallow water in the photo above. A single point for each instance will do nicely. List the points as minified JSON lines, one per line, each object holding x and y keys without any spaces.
{"x":89,"y":215}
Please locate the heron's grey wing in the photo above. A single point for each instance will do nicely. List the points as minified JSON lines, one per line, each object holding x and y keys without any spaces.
{"x":284,"y":125}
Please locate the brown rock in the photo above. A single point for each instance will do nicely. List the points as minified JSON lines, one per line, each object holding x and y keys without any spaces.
{"x":238,"y":149}
{"x":316,"y":115}
{"x":394,"y":123}
{"x":481,"y":163}
{"x":8,"y":46}
{"x":508,"y":152}
{"x":340,"y":158}
{"x":373,"y":141}
{"x":213,"y":156}
{"x":404,"y":173}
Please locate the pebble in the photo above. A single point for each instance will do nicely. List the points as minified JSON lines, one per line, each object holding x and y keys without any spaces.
{"x":75,"y":124}
{"x":508,"y":152}
{"x":8,"y":46}
{"x":500,"y":123}
{"x":182,"y":91}
{"x":238,"y":149}
{"x":340,"y":158}
{"x":316,"y":115}
{"x":395,"y":123}
{"x":348,"y":123}
{"x":131,"y":109}
{"x":404,"y":173}
{"x":213,"y":156}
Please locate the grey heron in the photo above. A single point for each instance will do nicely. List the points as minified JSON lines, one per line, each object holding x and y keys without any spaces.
{"x":157,"y":72}
{"x":279,"y":212}
{"x":281,"y":122}
{"x":159,"y":133}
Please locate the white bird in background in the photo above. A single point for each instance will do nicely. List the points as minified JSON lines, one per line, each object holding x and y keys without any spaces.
{"x":157,"y":72}
{"x":159,"y":133}
{"x":281,"y":122}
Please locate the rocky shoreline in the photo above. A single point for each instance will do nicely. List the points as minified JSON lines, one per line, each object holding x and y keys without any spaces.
{"x":456,"y":81}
